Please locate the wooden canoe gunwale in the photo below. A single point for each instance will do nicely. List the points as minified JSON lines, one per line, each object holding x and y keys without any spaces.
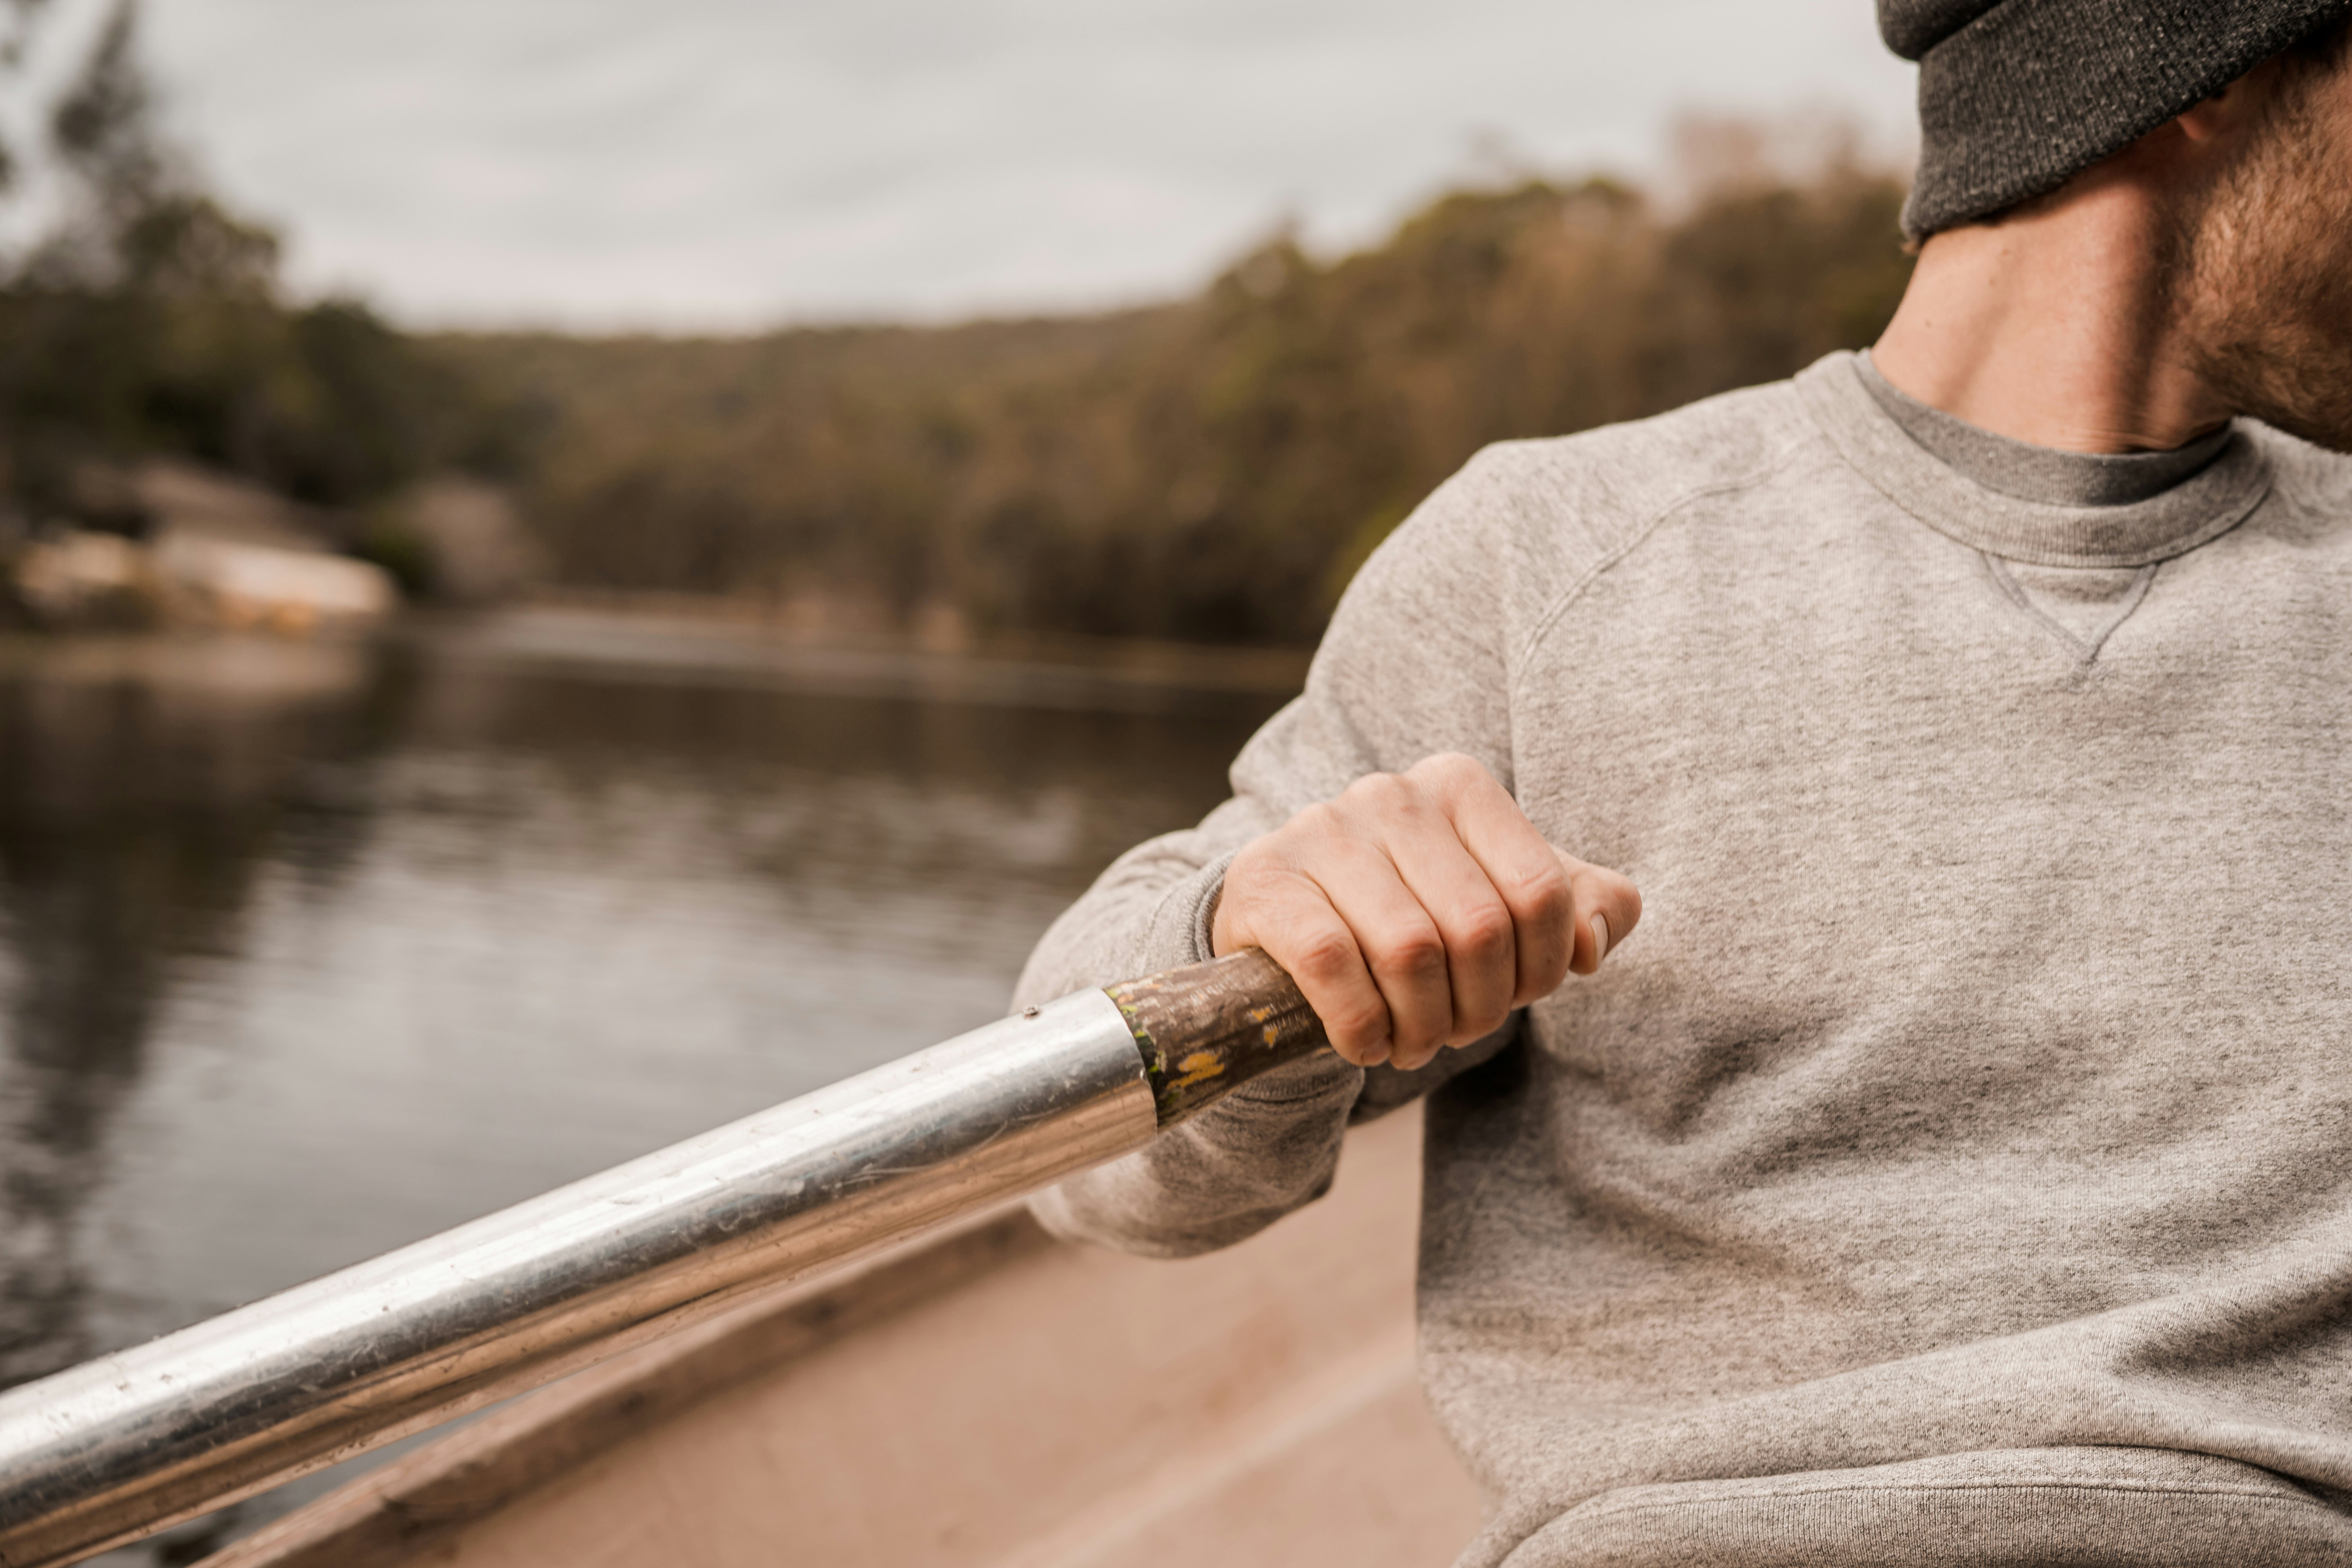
{"x":393,"y":1515}
{"x":1000,"y":1399}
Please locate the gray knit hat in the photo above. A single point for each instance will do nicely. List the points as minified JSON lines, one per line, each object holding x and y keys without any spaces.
{"x":2016,"y":97}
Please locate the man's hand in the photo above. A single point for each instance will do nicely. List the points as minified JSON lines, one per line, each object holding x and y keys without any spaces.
{"x":1419,"y":909}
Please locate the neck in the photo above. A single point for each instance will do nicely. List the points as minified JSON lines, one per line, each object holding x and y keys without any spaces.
{"x":2057,"y":326}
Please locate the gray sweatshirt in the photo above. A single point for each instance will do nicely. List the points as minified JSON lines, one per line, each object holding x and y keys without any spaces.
{"x":1956,"y":1167}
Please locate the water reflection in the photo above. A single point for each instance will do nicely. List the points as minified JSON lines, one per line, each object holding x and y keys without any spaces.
{"x":306,"y":951}
{"x":133,"y":815}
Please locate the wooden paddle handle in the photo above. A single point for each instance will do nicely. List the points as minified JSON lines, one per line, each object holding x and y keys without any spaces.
{"x":1207,"y":1028}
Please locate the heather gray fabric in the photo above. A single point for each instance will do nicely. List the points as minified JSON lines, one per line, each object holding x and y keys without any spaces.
{"x":2028,"y":472}
{"x":1955,"y":1166}
{"x":2016,"y":97}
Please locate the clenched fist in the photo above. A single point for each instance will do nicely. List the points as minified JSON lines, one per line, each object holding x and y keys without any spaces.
{"x":1419,"y":909}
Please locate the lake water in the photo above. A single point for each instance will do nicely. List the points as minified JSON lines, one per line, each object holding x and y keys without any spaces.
{"x":309,"y":950}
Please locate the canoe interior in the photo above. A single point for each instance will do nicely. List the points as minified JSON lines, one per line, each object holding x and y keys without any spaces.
{"x":991,"y":1398}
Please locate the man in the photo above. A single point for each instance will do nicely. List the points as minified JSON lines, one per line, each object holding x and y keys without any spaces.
{"x":1959,"y":1167}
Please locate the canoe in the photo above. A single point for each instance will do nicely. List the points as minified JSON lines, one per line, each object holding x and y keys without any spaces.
{"x":988,"y":1397}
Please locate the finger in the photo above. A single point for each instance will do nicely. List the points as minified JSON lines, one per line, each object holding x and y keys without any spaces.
{"x":1321,"y":953}
{"x":1400,"y":945}
{"x":1530,"y":878}
{"x":1473,"y":923}
{"x":1291,"y":918}
{"x":1608,"y":907}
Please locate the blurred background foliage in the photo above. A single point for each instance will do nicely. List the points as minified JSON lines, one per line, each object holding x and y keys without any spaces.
{"x":1211,"y":470}
{"x":145,"y":318}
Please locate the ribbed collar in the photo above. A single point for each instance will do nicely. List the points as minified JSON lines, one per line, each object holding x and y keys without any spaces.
{"x":2042,"y":474}
{"x":2195,"y":511}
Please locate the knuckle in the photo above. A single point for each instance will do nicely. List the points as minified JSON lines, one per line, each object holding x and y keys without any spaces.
{"x":1483,"y":931}
{"x":1542,"y":893}
{"x":1413,"y":950}
{"x":1450,"y":774}
{"x":1321,"y":957}
{"x":1448,"y":765}
{"x":1380,"y":794}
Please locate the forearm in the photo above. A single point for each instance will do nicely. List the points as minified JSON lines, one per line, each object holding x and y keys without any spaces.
{"x":1262,"y":1151}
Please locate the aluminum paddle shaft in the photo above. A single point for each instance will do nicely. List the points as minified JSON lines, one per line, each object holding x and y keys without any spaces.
{"x":134,"y":1442}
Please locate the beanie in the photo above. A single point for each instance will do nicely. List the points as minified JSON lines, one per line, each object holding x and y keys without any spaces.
{"x":2016,"y":97}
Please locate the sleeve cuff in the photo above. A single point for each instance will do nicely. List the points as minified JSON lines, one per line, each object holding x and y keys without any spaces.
{"x":1209,"y":887}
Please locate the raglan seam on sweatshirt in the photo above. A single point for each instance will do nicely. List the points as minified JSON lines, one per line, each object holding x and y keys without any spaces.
{"x":1634,"y":540}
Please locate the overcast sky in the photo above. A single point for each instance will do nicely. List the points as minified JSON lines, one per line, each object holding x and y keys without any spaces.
{"x":724,"y":164}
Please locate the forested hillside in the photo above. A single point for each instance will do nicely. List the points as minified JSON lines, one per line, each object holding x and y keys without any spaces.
{"x":147,"y":319}
{"x":1212,"y":469}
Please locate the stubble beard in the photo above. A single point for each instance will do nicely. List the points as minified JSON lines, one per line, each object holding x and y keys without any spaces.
{"x":2270,"y":262}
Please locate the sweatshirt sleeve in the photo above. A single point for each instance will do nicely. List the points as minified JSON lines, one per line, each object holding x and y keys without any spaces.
{"x":1412,"y":665}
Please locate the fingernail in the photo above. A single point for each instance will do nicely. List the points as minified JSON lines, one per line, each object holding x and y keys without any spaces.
{"x":1375,"y":1054}
{"x":1600,"y":939}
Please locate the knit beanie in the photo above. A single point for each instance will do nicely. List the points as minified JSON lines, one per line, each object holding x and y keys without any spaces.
{"x":2016,"y":97}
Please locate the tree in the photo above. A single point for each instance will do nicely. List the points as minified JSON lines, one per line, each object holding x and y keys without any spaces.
{"x":149,"y":319}
{"x":18,"y":18}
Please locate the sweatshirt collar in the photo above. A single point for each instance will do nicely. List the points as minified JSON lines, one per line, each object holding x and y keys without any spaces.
{"x":2171,"y":523}
{"x":2039,"y":473}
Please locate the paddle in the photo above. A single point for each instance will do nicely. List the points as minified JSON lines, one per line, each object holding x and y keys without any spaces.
{"x":135,"y":1442}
